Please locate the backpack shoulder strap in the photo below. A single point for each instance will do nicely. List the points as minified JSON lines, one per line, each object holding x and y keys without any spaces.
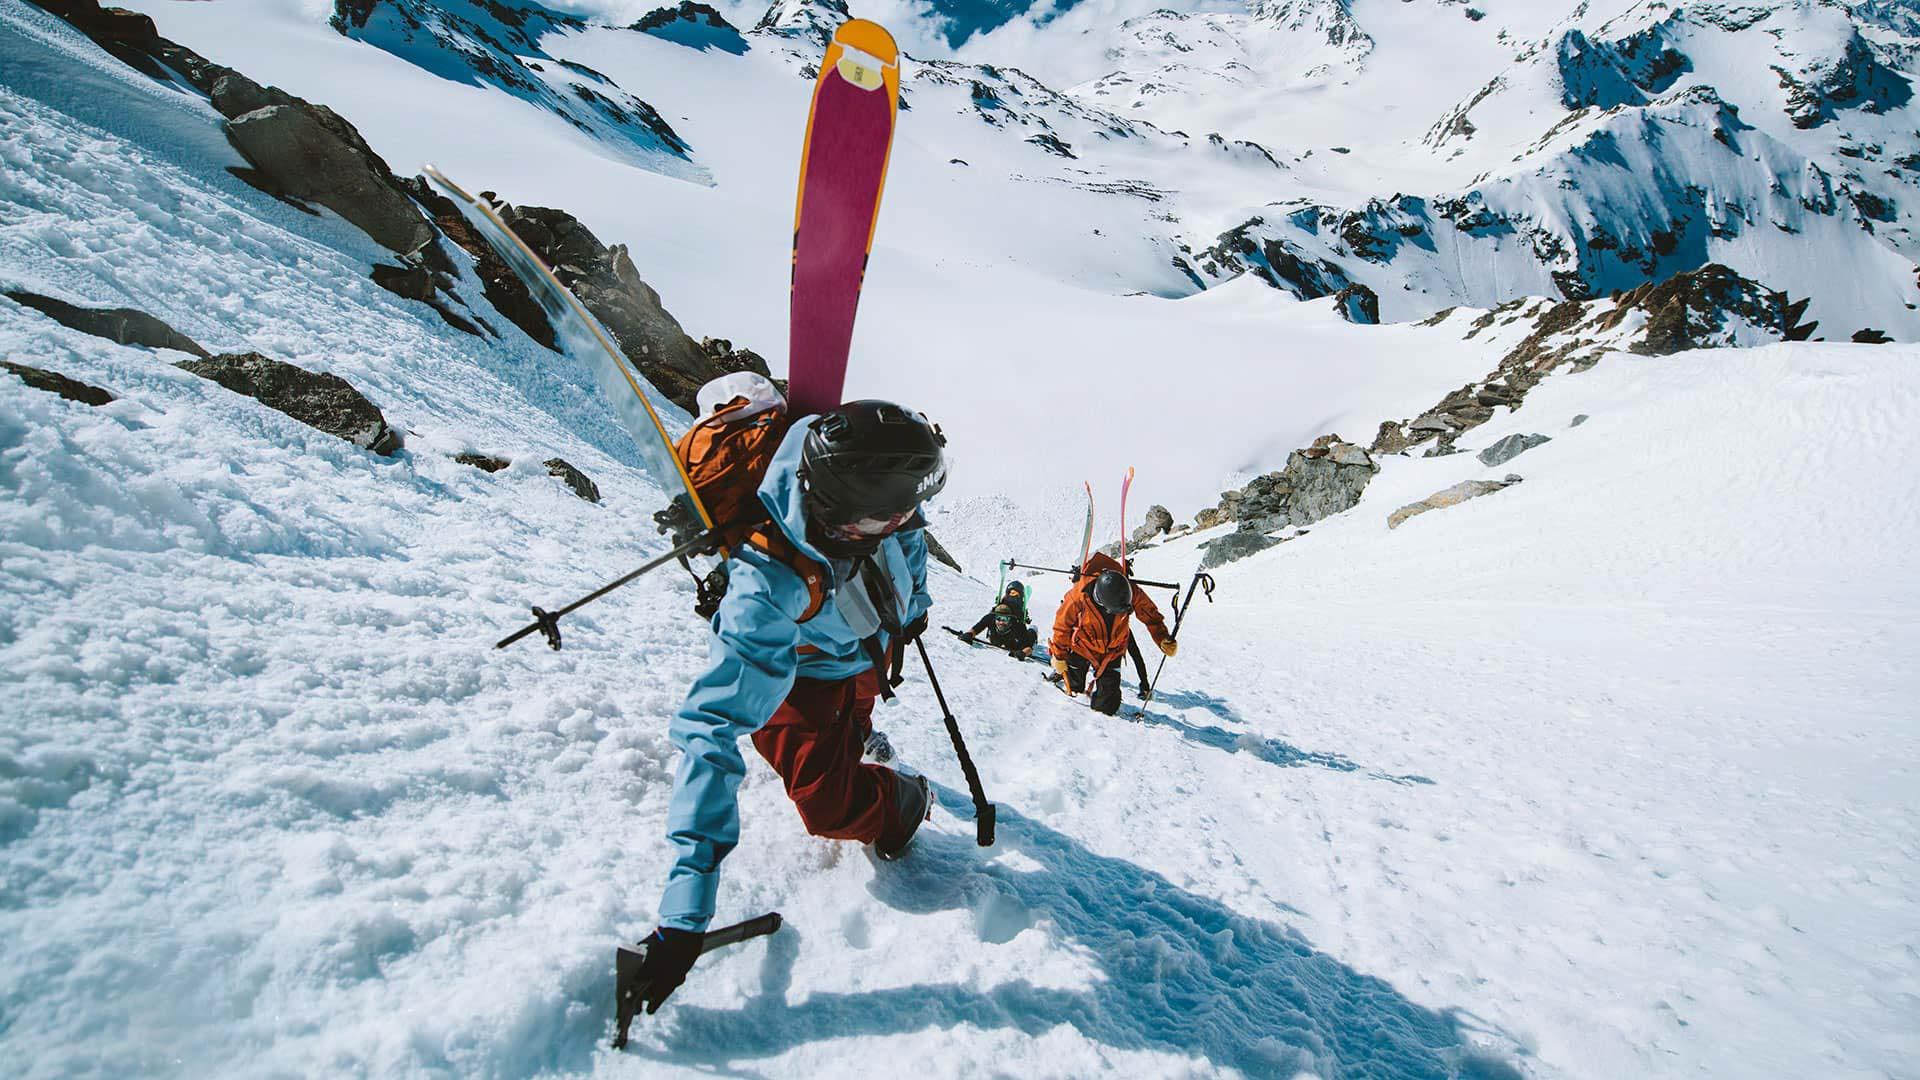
{"x":768,"y":538}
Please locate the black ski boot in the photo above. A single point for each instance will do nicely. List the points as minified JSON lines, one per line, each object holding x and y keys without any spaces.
{"x":911,"y":797}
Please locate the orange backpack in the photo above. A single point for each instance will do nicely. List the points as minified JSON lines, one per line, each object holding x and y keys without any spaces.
{"x":726,"y":456}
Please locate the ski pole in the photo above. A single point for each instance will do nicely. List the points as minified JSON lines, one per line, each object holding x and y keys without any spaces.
{"x":1174,"y":585}
{"x":548,"y":622}
{"x":983,"y":812}
{"x":1201,"y":580}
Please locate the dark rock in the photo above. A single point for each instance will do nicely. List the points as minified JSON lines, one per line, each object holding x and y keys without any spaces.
{"x":1052,"y":144}
{"x":126,"y":326}
{"x":55,"y":383}
{"x":1510,"y":447}
{"x":1870,"y":336}
{"x":308,"y":153}
{"x":411,"y":282}
{"x":1159,"y":521}
{"x":1358,"y":304}
{"x":235,"y":95}
{"x":606,"y":281}
{"x":938,"y":551}
{"x":1233,"y":547}
{"x":693,"y":24}
{"x":727,"y":359}
{"x":318,"y":399}
{"x":574,"y":478}
{"x":503,"y":288}
{"x":1208,"y":518}
{"x":484,"y":462}
{"x":1578,"y":420}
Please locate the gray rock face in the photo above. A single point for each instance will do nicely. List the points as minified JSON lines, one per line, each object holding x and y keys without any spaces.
{"x":1235,"y":546}
{"x":306,"y":152}
{"x":607,"y":282}
{"x":574,"y":478}
{"x":1510,"y":447}
{"x":127,"y":326}
{"x":1158,"y":523}
{"x":1453,"y":496}
{"x":1317,"y":482}
{"x":318,"y":399}
{"x":55,"y":383}
{"x":1324,"y":484}
{"x":1578,"y":420}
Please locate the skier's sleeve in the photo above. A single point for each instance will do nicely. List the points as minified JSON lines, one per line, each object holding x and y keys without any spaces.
{"x":985,"y":621}
{"x":1149,"y":613}
{"x":1063,"y":623}
{"x":752,"y":657}
{"x":913,"y":544}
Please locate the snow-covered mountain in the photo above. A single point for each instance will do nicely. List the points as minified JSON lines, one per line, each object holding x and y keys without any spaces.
{"x":1552,"y":715}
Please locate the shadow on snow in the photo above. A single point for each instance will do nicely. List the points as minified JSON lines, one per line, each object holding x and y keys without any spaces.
{"x":1272,"y":751}
{"x":1180,"y":973}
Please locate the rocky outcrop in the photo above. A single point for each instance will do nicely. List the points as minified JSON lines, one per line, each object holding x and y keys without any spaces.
{"x":1358,"y":304}
{"x":573,"y":478}
{"x":299,"y":151}
{"x":806,"y":22}
{"x":938,"y":551}
{"x":55,"y":383}
{"x":307,"y":153}
{"x":486,"y":463}
{"x":126,"y":326}
{"x":606,"y":281}
{"x":1705,"y":308}
{"x":1317,"y":482}
{"x":1235,"y":546}
{"x":1453,"y":496}
{"x":318,"y":399}
{"x":693,"y":24}
{"x":1509,"y":448}
{"x":1159,"y":522}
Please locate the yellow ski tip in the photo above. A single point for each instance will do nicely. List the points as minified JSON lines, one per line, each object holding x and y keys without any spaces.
{"x":870,"y":38}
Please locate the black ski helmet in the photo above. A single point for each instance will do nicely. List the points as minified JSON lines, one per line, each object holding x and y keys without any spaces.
{"x":870,"y":459}
{"x":1112,"y":592}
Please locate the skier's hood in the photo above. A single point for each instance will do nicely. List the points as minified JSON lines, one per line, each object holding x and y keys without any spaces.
{"x":780,"y":490}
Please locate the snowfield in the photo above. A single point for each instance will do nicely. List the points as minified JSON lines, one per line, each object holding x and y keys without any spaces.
{"x":1614,"y":772}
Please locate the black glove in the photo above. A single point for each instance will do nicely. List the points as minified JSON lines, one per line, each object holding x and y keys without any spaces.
{"x":670,"y":955}
{"x":912,"y":631}
{"x":968,"y":637}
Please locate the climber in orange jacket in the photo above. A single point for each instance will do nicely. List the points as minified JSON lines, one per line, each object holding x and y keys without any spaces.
{"x":1093,"y":627}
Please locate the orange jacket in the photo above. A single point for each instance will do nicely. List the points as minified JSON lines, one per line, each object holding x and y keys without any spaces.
{"x":1081,"y":629}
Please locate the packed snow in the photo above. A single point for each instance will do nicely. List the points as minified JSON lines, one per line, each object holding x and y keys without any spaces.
{"x":1608,"y":773}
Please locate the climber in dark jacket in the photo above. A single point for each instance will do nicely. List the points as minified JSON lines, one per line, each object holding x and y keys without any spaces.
{"x":1007,"y":625}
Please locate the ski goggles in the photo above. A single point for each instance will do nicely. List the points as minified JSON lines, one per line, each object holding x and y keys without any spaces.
{"x":867,"y":528}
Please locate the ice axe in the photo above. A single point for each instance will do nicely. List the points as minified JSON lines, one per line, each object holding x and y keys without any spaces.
{"x":629,"y":991}
{"x":1202,"y":582}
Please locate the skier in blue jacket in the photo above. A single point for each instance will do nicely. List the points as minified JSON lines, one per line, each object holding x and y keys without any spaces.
{"x":844,"y":491}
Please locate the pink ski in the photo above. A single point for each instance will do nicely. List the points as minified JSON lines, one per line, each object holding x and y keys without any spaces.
{"x":843,"y":170}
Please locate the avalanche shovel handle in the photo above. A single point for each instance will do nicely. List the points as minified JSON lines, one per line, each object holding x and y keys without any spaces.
{"x":548,"y":622}
{"x":629,"y":991}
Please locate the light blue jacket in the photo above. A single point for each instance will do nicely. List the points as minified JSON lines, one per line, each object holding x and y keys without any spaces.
{"x":753,"y":659}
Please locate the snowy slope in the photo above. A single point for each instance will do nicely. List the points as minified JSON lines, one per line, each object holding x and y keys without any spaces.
{"x":1610,"y":773}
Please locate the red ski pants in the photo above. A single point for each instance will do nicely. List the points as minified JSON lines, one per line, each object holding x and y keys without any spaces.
{"x":814,"y":741}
